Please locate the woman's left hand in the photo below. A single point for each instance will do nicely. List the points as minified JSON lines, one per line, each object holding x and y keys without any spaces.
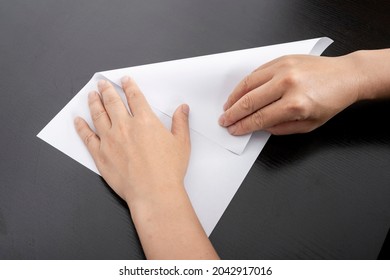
{"x":136,"y":155}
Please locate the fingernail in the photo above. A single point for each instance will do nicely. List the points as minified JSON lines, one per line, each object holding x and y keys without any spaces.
{"x":125,"y":80}
{"x":185,"y":109}
{"x":232,"y":129}
{"x":101,"y":84}
{"x":221,"y":120}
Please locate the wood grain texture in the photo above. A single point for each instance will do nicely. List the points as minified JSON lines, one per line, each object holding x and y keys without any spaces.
{"x":322,"y":195}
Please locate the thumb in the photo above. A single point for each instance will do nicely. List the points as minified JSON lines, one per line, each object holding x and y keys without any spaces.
{"x":180,"y":127}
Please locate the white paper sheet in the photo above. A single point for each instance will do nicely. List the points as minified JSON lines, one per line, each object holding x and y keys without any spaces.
{"x":219,"y":162}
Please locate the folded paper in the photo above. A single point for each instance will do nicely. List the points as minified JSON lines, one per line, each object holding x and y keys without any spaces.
{"x":219,"y":161}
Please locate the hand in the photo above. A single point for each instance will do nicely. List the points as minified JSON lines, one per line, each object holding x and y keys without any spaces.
{"x":292,"y":94}
{"x":145,"y":164}
{"x":136,"y":155}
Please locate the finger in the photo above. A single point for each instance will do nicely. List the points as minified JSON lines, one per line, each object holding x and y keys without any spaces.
{"x":135,"y":98}
{"x":269,"y":68}
{"x":293,"y":127}
{"x":98,"y":113}
{"x":250,"y":82}
{"x":112,"y":102}
{"x":90,"y":139}
{"x":180,"y":127}
{"x":264,"y":118}
{"x":250,"y":103}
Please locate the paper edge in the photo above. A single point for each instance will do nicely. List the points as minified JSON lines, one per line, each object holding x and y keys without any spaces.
{"x":322,"y":44}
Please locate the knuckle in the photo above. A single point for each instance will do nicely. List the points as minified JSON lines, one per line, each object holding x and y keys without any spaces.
{"x":299,"y":108}
{"x":290,"y":79}
{"x":258,"y":119}
{"x":111,"y":140}
{"x":89,"y":137}
{"x":97,"y":115}
{"x":102,"y":160}
{"x":130,"y":92}
{"x":110,"y":100}
{"x":246,"y":84}
{"x":247,"y":103}
{"x":288,"y":61}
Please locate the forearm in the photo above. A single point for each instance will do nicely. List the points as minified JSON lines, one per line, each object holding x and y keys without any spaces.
{"x":373,"y":68}
{"x":169,"y":228}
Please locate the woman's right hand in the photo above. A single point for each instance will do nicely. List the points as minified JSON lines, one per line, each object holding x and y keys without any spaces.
{"x":298,"y":93}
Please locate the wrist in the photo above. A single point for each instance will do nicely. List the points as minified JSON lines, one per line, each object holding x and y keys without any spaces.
{"x":151,"y":188}
{"x":168,"y":227}
{"x":371,"y":69}
{"x":152,"y":199}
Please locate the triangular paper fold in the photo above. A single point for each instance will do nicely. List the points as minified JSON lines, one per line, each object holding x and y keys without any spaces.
{"x":219,"y":162}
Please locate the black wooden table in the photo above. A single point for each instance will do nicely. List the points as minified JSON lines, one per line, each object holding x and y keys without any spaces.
{"x":322,"y":195}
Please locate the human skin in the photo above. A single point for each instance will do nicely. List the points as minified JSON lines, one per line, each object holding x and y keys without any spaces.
{"x":298,"y":93}
{"x":145,"y":164}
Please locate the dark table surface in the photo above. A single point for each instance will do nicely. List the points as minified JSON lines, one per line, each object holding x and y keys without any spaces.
{"x":322,"y":195}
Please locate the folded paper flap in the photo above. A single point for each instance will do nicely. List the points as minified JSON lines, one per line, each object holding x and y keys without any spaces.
{"x":60,"y":131}
{"x":205,"y":82}
{"x":321,"y":45}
